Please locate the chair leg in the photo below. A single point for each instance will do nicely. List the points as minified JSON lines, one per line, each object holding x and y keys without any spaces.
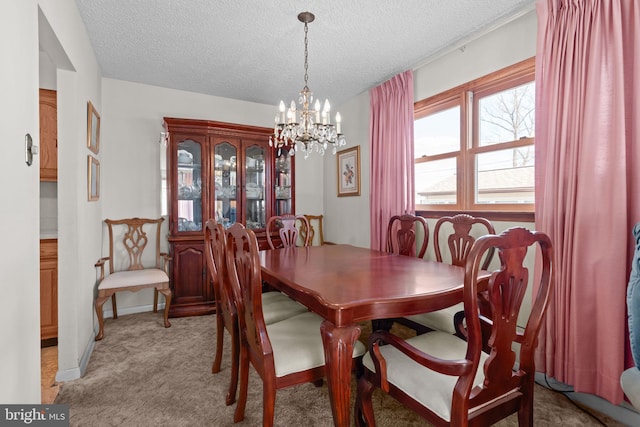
{"x":244,"y":385}
{"x":98,"y":305}
{"x":363,"y":410}
{"x":217,"y":361}
{"x":268,"y":402}
{"x":235,"y":362}
{"x":113,"y":306}
{"x":155,"y":300}
{"x":167,"y":305}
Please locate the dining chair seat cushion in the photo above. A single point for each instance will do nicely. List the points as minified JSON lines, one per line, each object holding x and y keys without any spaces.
{"x":277,"y":306}
{"x":147,"y":276}
{"x":439,"y":320}
{"x":432,"y":389}
{"x":297,"y":344}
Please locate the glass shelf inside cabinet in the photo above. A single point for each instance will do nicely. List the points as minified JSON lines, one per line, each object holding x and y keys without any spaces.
{"x":225,"y":175}
{"x":283,"y":184}
{"x":189,"y":185}
{"x":254,"y":187}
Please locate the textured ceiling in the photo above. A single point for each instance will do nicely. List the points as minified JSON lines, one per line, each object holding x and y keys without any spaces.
{"x":253,"y":50}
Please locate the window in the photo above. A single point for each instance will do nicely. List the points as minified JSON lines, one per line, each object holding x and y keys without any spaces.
{"x":474,"y":144}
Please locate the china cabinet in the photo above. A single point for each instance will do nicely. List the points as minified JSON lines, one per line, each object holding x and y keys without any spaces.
{"x":226,"y":171}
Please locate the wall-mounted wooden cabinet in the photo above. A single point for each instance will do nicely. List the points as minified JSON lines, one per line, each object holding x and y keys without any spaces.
{"x":48,"y":289}
{"x":218,"y":170}
{"x":48,"y":135}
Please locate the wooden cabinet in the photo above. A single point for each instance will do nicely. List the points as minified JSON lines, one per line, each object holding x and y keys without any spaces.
{"x":48,"y":135}
{"x":48,"y":289}
{"x":218,"y":170}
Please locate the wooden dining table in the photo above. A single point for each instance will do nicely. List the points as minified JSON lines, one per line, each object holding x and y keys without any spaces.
{"x":347,"y":285}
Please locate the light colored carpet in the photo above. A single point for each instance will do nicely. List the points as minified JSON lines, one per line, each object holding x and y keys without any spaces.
{"x":142,"y":374}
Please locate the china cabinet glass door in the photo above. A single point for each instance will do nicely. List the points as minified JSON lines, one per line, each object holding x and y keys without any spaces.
{"x":283,"y":184}
{"x":225,"y":172}
{"x":254,"y":187}
{"x":189,"y":185}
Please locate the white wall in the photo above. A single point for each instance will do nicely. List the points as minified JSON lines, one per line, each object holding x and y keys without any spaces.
{"x":78,"y":81}
{"x":25,"y":27}
{"x":131,"y":121}
{"x":19,"y":304}
{"x":347,"y":218}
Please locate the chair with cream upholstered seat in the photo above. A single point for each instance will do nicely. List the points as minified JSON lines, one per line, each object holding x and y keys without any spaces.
{"x":276,"y":306}
{"x":284,"y":353}
{"x":130,"y":267}
{"x":450,"y":381}
{"x":453,"y":236}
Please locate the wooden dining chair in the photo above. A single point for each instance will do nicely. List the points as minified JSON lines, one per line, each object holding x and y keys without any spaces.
{"x":402,"y":235}
{"x":402,"y":238}
{"x":451,"y":381}
{"x":285,"y":226}
{"x":453,"y":237}
{"x":285,"y":353}
{"x":315,"y":231}
{"x":277,"y":306}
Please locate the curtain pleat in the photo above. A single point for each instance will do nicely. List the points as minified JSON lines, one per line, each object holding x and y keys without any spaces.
{"x":392,"y":159}
{"x":587,"y":183}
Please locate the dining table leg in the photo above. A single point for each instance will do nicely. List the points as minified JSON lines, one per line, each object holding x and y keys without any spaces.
{"x":338,"y":353}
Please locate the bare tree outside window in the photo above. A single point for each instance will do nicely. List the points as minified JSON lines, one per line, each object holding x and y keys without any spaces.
{"x":509,"y":116}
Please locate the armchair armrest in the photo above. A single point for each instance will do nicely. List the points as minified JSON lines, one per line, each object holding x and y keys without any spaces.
{"x":165,"y":261}
{"x":447,"y":367}
{"x":100,"y":263}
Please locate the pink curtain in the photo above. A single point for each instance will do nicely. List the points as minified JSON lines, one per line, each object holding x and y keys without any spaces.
{"x":587,"y":183}
{"x":391,"y":147}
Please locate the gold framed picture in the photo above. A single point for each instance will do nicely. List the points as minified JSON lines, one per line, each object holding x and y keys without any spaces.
{"x":93,"y":178}
{"x":349,"y":172}
{"x":93,"y":128}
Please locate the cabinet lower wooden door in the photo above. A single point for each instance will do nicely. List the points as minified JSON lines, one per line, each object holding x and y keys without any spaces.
{"x":194,"y":295}
{"x":48,"y":289}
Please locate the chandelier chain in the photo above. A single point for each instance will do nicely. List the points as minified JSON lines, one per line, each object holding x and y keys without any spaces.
{"x":306,"y":55}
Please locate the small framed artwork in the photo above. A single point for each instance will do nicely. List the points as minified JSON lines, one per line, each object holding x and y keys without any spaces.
{"x":93,"y":178}
{"x":93,"y":128}
{"x":349,"y":172}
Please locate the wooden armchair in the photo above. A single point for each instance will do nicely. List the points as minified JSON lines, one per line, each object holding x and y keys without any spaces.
{"x":128,"y":239}
{"x":315,"y":232}
{"x":285,"y":227}
{"x":285,"y":353}
{"x":450,"y":381}
{"x":453,"y":236}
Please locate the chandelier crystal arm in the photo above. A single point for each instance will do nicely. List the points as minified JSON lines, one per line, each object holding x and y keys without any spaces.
{"x":311,"y":129}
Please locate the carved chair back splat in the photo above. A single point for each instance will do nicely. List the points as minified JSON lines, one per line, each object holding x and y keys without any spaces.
{"x":127,"y":269}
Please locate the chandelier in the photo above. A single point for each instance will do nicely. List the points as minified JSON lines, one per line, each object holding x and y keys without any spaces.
{"x":309,"y":128}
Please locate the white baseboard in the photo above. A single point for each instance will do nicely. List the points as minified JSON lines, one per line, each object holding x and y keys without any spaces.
{"x":77,"y":372}
{"x":108,"y":313}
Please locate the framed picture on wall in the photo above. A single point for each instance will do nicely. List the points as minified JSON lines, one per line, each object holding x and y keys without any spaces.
{"x":93,"y":178}
{"x":93,"y":128}
{"x":349,"y":172}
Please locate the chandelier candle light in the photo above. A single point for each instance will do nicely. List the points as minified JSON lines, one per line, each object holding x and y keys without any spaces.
{"x":308,"y":129}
